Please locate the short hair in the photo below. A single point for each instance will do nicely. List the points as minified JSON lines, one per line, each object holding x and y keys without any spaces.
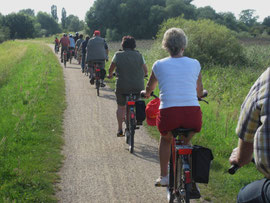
{"x":87,"y":37}
{"x":128,"y":42}
{"x":81,"y":36}
{"x":174,"y":40}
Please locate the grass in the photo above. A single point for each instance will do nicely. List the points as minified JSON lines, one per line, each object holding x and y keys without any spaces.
{"x":227,"y":87}
{"x":31,"y":108}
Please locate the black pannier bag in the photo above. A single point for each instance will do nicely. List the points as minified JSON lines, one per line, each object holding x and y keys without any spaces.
{"x":201,"y":160}
{"x":140,"y":111}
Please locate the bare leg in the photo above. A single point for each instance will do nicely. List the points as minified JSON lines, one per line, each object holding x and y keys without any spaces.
{"x":120,"y":114}
{"x":164,"y":153}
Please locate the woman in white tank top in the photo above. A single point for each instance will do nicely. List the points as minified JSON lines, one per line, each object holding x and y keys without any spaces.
{"x":180,"y":84}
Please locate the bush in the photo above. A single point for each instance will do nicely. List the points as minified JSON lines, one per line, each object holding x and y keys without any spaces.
{"x":208,"y":42}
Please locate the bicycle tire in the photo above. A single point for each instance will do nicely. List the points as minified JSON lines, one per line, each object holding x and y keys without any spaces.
{"x":65,"y":63}
{"x":97,"y":86}
{"x":131,"y":135}
{"x":170,"y":189}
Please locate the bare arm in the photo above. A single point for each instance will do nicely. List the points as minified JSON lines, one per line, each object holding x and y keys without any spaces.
{"x":151,"y":85}
{"x":111,"y":69}
{"x":242,"y":155}
{"x":145,"y":69}
{"x":199,"y":86}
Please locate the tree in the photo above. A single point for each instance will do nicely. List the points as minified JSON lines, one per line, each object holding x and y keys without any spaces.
{"x":48,"y":23}
{"x":28,"y":11}
{"x":63,"y":19}
{"x":177,"y":8}
{"x":206,"y":12}
{"x":266,"y":21}
{"x":54,"y":12}
{"x":73,"y":23}
{"x":229,"y":20}
{"x":20,"y":25}
{"x":248,"y":18}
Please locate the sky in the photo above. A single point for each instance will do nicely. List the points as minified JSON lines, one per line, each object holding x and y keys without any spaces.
{"x":80,"y":7}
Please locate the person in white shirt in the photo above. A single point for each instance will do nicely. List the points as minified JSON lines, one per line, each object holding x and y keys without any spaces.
{"x":180,"y":84}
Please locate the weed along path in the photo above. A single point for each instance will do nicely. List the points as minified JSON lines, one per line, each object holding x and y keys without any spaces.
{"x":98,"y":166}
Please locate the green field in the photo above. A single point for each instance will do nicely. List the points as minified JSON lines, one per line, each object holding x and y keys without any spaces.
{"x":32,"y":102}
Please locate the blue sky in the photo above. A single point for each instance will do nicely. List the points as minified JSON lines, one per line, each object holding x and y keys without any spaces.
{"x":80,"y":7}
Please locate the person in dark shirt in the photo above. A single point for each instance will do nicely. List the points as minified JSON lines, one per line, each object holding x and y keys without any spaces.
{"x":83,"y":48}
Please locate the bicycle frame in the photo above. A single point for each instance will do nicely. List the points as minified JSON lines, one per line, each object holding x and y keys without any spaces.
{"x":180,"y":176}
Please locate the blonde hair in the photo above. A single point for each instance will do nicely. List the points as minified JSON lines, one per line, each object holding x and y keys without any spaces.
{"x":174,"y":40}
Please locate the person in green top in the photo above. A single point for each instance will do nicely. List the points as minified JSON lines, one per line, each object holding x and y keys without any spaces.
{"x":130,"y":69}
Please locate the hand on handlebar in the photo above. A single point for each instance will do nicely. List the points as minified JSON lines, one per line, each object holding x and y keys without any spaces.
{"x":144,"y":95}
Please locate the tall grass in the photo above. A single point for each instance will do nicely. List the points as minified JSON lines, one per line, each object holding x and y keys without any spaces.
{"x":31,"y":109}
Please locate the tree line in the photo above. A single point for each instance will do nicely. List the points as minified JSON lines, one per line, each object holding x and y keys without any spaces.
{"x":115,"y":18}
{"x":142,"y":18}
{"x":25,"y":24}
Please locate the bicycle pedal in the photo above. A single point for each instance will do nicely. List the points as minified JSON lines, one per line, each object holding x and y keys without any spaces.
{"x":159,"y":185}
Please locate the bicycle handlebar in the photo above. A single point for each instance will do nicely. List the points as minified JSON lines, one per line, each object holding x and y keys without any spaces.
{"x":233,"y":169}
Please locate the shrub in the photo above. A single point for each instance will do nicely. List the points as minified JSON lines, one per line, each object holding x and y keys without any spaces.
{"x":208,"y":42}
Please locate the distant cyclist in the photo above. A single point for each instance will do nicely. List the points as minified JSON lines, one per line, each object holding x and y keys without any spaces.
{"x":77,"y":46}
{"x":76,"y":37}
{"x":56,"y":44}
{"x":180,"y":84}
{"x":97,"y":51}
{"x":83,"y":48}
{"x":130,"y":69}
{"x":64,"y":41}
{"x":72,"y":43}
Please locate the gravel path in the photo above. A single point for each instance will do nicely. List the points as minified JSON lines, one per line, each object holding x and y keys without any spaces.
{"x":98,"y":166}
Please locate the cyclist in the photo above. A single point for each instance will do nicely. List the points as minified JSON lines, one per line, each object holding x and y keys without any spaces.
{"x":56,"y":44}
{"x":253,"y":132}
{"x":83,"y":48}
{"x":72,"y":44}
{"x":130,"y":68}
{"x":97,"y":51}
{"x":180,"y":83}
{"x":77,"y":45}
{"x":76,"y":37}
{"x":64,"y":41}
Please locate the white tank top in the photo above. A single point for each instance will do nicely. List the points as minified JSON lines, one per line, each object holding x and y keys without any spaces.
{"x":177,"y":79}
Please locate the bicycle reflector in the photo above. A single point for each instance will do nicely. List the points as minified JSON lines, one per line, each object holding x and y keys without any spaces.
{"x":97,"y":69}
{"x":131,"y":103}
{"x":184,"y":151}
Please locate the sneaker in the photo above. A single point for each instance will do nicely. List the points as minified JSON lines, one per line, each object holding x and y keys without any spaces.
{"x":102,"y":85}
{"x":120,"y":133}
{"x":92,"y":81}
{"x":195,"y":191}
{"x":162,"y":181}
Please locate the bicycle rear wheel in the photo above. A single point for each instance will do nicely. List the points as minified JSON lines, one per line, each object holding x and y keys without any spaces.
{"x":131,"y":135}
{"x":97,"y":86}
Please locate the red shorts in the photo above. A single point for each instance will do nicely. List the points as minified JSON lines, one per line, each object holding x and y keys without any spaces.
{"x":175,"y":117}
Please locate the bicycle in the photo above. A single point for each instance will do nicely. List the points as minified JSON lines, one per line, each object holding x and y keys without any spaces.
{"x":179,"y":167}
{"x":65,"y":58}
{"x":97,"y":70}
{"x":130,"y":120}
{"x":71,"y":54}
{"x":56,"y":48}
